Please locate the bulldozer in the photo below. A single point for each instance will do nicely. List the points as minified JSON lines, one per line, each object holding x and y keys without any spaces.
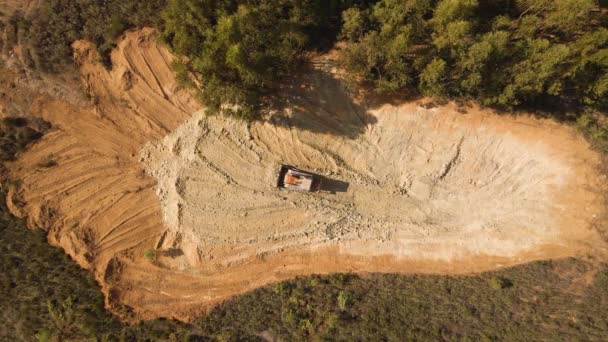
{"x":292,"y":178}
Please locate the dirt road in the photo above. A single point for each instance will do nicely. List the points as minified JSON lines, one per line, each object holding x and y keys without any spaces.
{"x":412,"y":189}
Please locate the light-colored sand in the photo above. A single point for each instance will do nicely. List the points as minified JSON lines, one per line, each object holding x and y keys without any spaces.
{"x":434,"y":191}
{"x":426,"y":184}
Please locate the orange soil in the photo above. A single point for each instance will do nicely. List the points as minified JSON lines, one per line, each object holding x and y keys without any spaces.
{"x":102,"y":209}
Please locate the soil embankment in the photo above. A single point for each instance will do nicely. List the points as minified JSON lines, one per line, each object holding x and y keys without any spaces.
{"x":410,"y":190}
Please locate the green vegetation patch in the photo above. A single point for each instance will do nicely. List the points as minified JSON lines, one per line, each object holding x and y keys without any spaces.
{"x":533,"y":53}
{"x":541,"y":54}
{"x":239,"y":51}
{"x":150,"y":254}
{"x":596,"y":131}
{"x":545,"y":300}
{"x":48,"y":32}
{"x":42,"y":289}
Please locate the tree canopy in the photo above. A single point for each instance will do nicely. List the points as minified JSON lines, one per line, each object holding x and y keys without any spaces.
{"x":502,"y":53}
{"x":50,"y":30}
{"x":239,"y":50}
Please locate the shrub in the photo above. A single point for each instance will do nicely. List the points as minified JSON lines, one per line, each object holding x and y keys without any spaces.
{"x":342,"y":300}
{"x":43,"y":335}
{"x":17,"y":133}
{"x":499,"y":283}
{"x":601,"y":280}
{"x":596,"y":133}
{"x":150,"y":254}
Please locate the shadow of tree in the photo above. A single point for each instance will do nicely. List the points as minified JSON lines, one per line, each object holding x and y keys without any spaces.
{"x":316,"y":101}
{"x":172,"y":253}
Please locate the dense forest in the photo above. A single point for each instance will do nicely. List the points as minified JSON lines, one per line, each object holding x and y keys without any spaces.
{"x":508,"y":54}
{"x":502,"y":53}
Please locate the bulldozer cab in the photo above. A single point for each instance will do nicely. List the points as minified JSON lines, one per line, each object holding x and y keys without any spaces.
{"x":295,"y":179}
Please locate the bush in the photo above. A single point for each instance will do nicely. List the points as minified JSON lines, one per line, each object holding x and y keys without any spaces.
{"x":150,"y":254}
{"x":342,"y":300}
{"x":596,"y":133}
{"x":601,"y":280}
{"x":499,"y":283}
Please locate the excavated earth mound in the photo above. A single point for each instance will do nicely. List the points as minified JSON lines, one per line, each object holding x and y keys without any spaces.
{"x":405,"y":189}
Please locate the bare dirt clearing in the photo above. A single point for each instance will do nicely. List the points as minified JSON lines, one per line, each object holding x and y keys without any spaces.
{"x":429,"y":190}
{"x":417,"y":178}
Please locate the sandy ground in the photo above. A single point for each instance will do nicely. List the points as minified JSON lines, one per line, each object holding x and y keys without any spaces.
{"x":413,"y":178}
{"x":410,"y":189}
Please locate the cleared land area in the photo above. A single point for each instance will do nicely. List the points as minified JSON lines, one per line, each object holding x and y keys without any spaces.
{"x":429,"y":190}
{"x":417,"y":183}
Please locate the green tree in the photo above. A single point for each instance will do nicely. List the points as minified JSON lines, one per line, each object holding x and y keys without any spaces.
{"x":477,"y":66}
{"x":453,"y":25}
{"x":565,"y":16}
{"x":433,"y":78}
{"x":240,"y":53}
{"x":343,"y":300}
{"x":540,"y":73}
{"x":186,"y":23}
{"x":386,"y":54}
{"x":355,"y":24}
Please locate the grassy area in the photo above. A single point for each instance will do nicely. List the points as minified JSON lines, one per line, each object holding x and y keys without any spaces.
{"x":46,"y":296}
{"x":540,"y":301}
{"x":41,"y":288}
